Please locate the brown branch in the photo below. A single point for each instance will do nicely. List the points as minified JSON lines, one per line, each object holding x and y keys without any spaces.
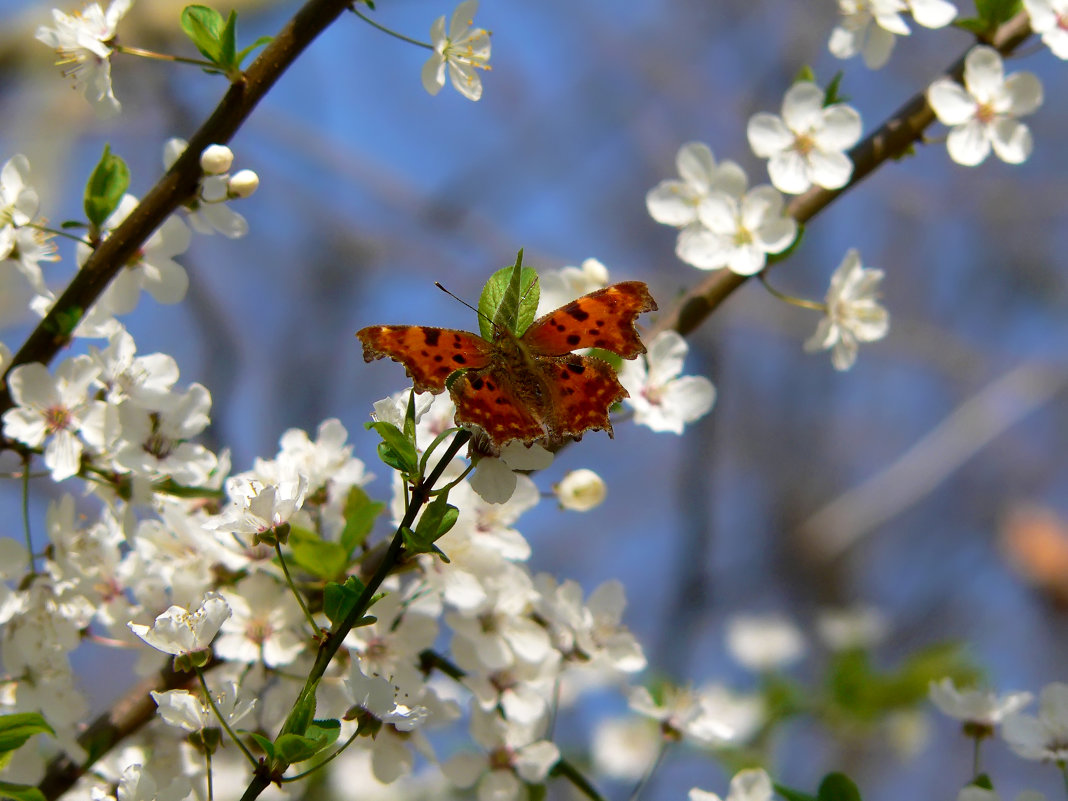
{"x":178,"y":184}
{"x":904,"y":129}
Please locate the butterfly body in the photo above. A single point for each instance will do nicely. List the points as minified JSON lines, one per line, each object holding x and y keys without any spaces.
{"x":529,"y":387}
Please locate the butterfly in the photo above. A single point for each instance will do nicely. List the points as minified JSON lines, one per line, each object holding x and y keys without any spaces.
{"x":529,"y":387}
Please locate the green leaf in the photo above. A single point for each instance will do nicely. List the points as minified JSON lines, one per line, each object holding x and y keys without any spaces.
{"x":831,"y":96}
{"x":338,"y":599}
{"x":509,"y":299}
{"x":837,"y":787}
{"x":263,"y":743}
{"x":107,"y":185}
{"x":324,"y":730}
{"x":228,"y":42}
{"x":20,"y":792}
{"x":243,"y":54}
{"x":316,"y":555}
{"x":16,"y":729}
{"x":414,"y":544}
{"x":65,"y":322}
{"x":399,"y":452}
{"x":360,"y":514}
{"x":792,"y":795}
{"x":303,"y":712}
{"x":805,"y":74}
{"x":438,"y":517}
{"x":972,"y":24}
{"x":297,"y":748}
{"x":204,"y":26}
{"x":995,"y":12}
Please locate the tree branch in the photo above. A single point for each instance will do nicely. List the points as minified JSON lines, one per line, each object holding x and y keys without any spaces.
{"x":904,"y":129}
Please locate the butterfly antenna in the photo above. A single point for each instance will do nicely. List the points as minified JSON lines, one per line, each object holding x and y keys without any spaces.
{"x":465,"y":303}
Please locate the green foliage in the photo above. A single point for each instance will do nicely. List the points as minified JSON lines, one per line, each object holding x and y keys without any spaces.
{"x":837,"y":787}
{"x":438,"y":517}
{"x":360,"y":514}
{"x":320,"y":734}
{"x":319,"y":557}
{"x":216,"y":38}
{"x":339,"y":599}
{"x":107,"y":185}
{"x":832,"y":96}
{"x":859,"y":691}
{"x":16,"y":729}
{"x":20,"y":792}
{"x":989,"y":14}
{"x":395,"y":449}
{"x":834,"y":787}
{"x":509,"y":299}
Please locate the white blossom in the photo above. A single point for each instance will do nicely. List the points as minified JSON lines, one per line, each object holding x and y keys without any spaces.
{"x":208,"y":211}
{"x":978,"y":707}
{"x":179,"y":631}
{"x":462,"y":51}
{"x":154,"y":268}
{"x":661,"y":398}
{"x":53,"y":408}
{"x":869,"y":27}
{"x":675,"y":201}
{"x":764,"y":642}
{"x":495,"y":477}
{"x":83,"y":42}
{"x":1044,"y":737}
{"x":1049,"y":19}
{"x":192,"y":712}
{"x":753,"y":784}
{"x":807,"y":144}
{"x":580,"y":490}
{"x":982,"y":114}
{"x":853,"y":312}
{"x":558,"y":287}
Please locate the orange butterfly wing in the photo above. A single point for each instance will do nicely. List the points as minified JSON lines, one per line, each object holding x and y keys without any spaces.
{"x":429,"y":355}
{"x":534,"y":388}
{"x":490,"y":400}
{"x":602,"y":319}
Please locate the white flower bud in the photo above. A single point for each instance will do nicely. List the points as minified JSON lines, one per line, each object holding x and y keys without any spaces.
{"x":580,"y":490}
{"x":216,"y":159}
{"x":243,"y":183}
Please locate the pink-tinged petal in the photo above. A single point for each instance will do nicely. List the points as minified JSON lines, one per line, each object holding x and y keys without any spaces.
{"x":672,"y":202}
{"x":844,"y":352}
{"x":802,"y":107}
{"x":63,"y":455}
{"x":1011,"y":140}
{"x":465,"y":79}
{"x":689,"y":397}
{"x":433,"y":74}
{"x":841,"y":128}
{"x":25,"y":425}
{"x":746,"y":260}
{"x":831,"y":170}
{"x":950,"y":102}
{"x":731,"y":178}
{"x":1024,"y":91}
{"x":891,"y":21}
{"x":968,"y":144}
{"x":1042,"y":15}
{"x":32,"y":385}
{"x":768,"y":135}
{"x":789,"y":172}
{"x":761,"y":205}
{"x":701,"y":248}
{"x":462,"y":18}
{"x":984,"y":72}
{"x":845,"y":42}
{"x":776,"y":235}
{"x":878,"y":48}
{"x":933,"y":13}
{"x":719,"y":213}
{"x":696,"y":164}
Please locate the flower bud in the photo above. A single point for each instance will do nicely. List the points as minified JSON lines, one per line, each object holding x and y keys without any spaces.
{"x":580,"y":490}
{"x":243,"y":183}
{"x":216,"y":159}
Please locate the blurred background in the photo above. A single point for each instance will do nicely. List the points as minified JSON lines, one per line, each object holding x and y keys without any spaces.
{"x":929,"y":482}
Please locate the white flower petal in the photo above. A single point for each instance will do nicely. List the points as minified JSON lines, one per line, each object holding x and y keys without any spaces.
{"x":968,"y":144}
